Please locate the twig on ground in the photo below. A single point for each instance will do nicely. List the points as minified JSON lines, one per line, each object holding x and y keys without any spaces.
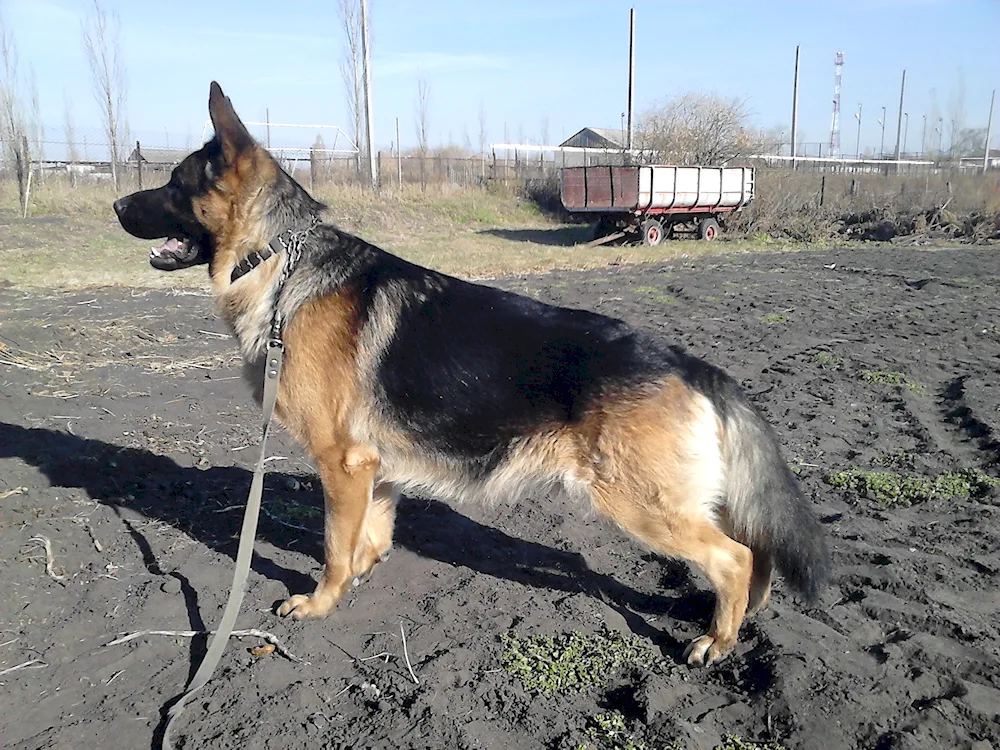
{"x":50,"y":559}
{"x":93,"y":537}
{"x":249,"y":633}
{"x":406,"y":655}
{"x":295,"y":526}
{"x":32,"y":664}
{"x":15,"y":491}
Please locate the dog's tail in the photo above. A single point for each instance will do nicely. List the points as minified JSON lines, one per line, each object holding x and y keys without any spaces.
{"x":768,"y":511}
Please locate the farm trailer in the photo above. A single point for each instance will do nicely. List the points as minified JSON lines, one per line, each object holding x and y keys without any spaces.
{"x":648,"y":203}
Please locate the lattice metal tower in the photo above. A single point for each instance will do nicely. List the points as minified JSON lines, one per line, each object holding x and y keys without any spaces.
{"x":838,"y":63}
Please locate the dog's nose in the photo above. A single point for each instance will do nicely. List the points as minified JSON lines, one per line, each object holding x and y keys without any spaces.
{"x":121,"y":204}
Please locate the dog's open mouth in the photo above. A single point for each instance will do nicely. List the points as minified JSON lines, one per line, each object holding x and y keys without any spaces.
{"x":175,"y":253}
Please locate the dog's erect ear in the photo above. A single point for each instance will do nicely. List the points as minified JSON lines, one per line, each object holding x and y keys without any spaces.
{"x":232,"y":133}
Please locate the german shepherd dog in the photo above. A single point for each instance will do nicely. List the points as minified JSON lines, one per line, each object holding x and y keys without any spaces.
{"x":398,"y":378}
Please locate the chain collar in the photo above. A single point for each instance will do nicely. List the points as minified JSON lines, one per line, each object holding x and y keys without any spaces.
{"x":287,"y":241}
{"x":293,"y":252}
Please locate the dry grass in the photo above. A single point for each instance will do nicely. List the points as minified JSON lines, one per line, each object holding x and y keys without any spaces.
{"x":871,"y":206}
{"x":71,"y":238}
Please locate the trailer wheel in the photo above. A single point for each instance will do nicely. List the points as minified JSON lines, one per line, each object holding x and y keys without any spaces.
{"x":652,"y":232}
{"x":708,"y":229}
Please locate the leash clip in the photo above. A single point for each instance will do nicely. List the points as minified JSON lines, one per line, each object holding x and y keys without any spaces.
{"x":274,"y":357}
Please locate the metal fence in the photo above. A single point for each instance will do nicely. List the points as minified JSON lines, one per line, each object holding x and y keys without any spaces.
{"x":147,"y":166}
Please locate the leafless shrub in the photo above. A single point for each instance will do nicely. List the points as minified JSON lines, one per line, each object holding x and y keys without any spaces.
{"x":698,"y":128}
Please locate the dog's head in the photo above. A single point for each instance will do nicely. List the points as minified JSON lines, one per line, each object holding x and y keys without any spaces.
{"x":211,"y":200}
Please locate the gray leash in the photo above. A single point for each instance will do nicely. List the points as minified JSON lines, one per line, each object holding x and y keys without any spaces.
{"x":272,"y":373}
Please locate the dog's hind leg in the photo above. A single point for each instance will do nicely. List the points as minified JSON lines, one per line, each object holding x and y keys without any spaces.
{"x":726,"y":563}
{"x":348,"y":476}
{"x":376,"y":539}
{"x":760,"y":581}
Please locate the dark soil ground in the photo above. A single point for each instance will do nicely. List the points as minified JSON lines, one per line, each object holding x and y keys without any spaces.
{"x":126,"y":440}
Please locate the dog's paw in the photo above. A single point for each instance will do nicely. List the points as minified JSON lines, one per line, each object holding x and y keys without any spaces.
{"x":367,"y":567}
{"x":305,"y":606}
{"x":706,"y":650}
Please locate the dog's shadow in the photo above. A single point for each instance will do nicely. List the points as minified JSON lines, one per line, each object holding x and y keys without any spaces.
{"x":188,"y":498}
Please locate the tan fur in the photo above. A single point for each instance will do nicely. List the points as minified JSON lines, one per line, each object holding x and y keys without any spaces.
{"x":659,"y":477}
{"x":648,"y":457}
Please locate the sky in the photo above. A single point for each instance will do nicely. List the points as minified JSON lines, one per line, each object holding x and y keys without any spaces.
{"x":532,"y":66}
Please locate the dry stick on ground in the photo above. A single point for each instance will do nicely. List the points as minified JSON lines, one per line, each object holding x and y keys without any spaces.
{"x":33,"y":664}
{"x":93,"y":537}
{"x":249,"y":633}
{"x":288,"y":524}
{"x":406,"y":655}
{"x":49,"y":557}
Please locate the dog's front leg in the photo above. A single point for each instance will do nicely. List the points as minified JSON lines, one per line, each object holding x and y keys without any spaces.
{"x":348,"y":476}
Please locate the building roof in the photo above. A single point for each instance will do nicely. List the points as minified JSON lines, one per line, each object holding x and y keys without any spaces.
{"x":597,"y":138}
{"x":159,"y":155}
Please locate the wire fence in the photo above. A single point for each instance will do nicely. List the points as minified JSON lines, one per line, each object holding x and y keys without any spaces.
{"x":148,"y":163}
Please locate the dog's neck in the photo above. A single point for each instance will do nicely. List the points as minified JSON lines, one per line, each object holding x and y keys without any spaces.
{"x":282,"y":242}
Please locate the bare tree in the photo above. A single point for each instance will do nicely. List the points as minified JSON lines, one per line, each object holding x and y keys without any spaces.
{"x":698,"y":128}
{"x":772,"y":139}
{"x":69,"y":133}
{"x":12,"y":116}
{"x":956,"y":114}
{"x":935,"y":127}
{"x":423,"y":100}
{"x":102,"y":45}
{"x":482,"y":130}
{"x":351,"y":71}
{"x":544,"y":132}
{"x":36,"y":129}
{"x":969,"y":142}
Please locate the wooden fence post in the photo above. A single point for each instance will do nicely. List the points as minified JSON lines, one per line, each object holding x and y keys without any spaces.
{"x":138,"y":163}
{"x":24,"y":176}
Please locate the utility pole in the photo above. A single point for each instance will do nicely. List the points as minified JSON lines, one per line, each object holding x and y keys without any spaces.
{"x":989,"y":134}
{"x":906,"y":127}
{"x":366,"y":53}
{"x":857,"y":145}
{"x":881,"y":146}
{"x":631,"y":72}
{"x":795,"y":105}
{"x":923,"y":137}
{"x":838,"y":67}
{"x":899,"y":123}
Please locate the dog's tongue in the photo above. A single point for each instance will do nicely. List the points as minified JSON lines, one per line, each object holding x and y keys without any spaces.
{"x":173,"y":254}
{"x":172,"y":246}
